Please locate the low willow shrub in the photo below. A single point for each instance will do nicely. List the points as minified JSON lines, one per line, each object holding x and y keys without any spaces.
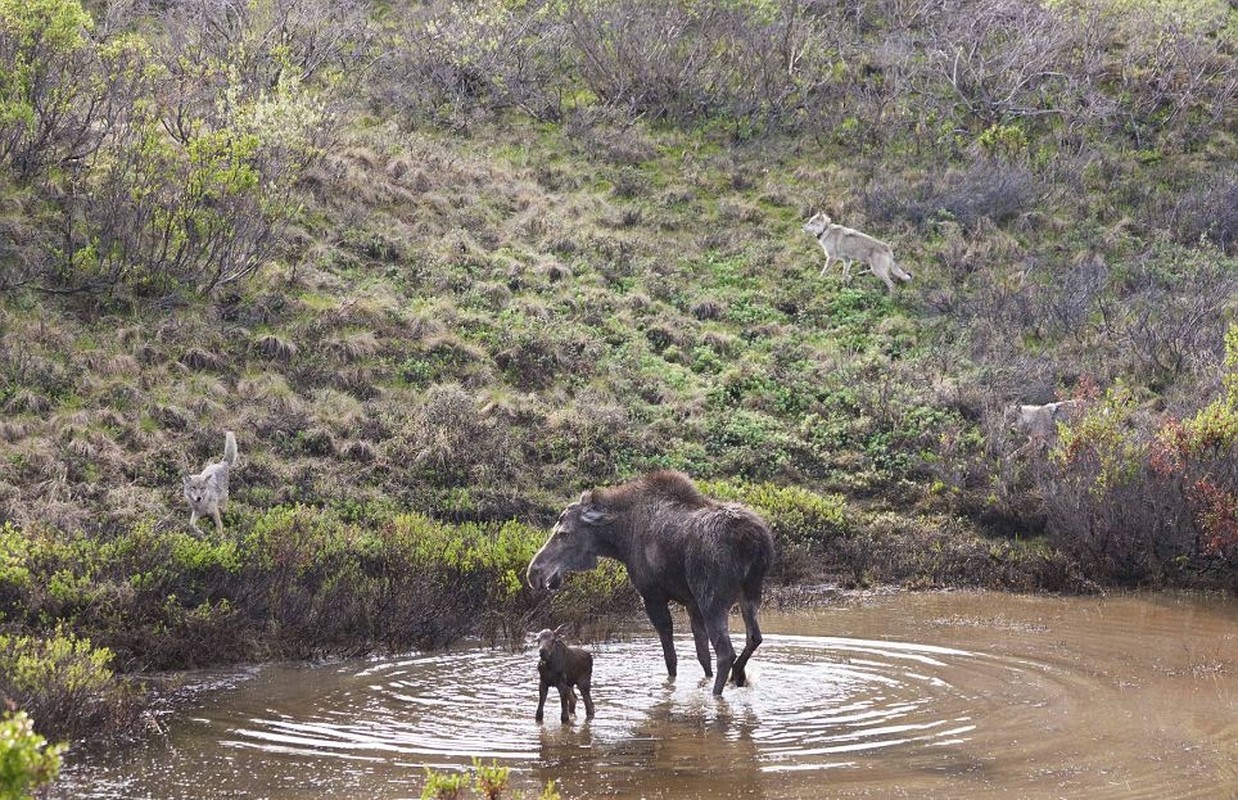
{"x":805,"y":524}
{"x":490,"y":782}
{"x":293,"y":581}
{"x":65,"y":683}
{"x":27,"y":761}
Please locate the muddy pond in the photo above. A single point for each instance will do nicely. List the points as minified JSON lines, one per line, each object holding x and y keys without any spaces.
{"x":950,"y":695}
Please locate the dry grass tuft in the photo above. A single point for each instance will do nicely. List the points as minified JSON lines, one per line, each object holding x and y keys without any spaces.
{"x":707,"y":309}
{"x":197,"y":359}
{"x":275,"y":348}
{"x":359,"y":380}
{"x":27,"y":401}
{"x":353,"y":346}
{"x":721,"y":343}
{"x":103,"y":364}
{"x":340,"y":412}
{"x":14,"y":430}
{"x":172,"y":417}
{"x":360,"y":450}
{"x":271,"y":391}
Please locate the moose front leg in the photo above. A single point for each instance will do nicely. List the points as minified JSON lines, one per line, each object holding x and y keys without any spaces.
{"x":542,"y":688}
{"x":660,"y":616}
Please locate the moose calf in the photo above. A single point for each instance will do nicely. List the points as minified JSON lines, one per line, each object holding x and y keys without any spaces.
{"x":563,"y":667}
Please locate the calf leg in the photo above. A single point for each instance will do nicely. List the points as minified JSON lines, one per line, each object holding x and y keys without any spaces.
{"x":702,"y":640}
{"x":660,"y":616}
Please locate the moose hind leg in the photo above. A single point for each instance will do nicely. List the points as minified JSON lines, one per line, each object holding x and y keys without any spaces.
{"x":716,"y":624}
{"x":588,"y":698}
{"x":701,"y":639}
{"x":660,"y":615}
{"x":749,"y":609}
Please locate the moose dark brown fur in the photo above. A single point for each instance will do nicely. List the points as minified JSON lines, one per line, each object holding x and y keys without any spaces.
{"x":677,"y":544}
{"x":563,"y":667}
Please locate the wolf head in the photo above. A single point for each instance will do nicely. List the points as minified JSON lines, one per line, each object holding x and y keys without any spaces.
{"x":817,"y":223}
{"x":204,"y":490}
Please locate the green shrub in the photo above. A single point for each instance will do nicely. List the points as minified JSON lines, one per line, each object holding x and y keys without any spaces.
{"x":793,"y":512}
{"x":64,"y":682}
{"x":45,"y":67}
{"x":487,"y":782}
{"x":27,"y":761}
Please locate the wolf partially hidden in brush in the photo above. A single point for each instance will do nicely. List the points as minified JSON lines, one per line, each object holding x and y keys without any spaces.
{"x":847,"y":245}
{"x":207,"y":492}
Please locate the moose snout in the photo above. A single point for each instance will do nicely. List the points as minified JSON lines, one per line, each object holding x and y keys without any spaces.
{"x":538,"y":578}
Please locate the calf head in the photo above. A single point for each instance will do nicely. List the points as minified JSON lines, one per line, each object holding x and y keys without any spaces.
{"x":547,"y":640}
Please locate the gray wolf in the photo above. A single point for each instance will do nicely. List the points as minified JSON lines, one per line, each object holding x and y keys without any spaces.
{"x":207,"y":492}
{"x":677,"y":544}
{"x":563,"y":667}
{"x":1039,"y":422}
{"x":847,"y":245}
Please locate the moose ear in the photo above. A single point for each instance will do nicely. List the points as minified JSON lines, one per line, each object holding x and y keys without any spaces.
{"x":586,"y":497}
{"x":562,"y":630}
{"x":595,"y":515}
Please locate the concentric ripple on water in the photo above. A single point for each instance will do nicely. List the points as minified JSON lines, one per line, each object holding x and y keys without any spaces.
{"x":1022,"y":713}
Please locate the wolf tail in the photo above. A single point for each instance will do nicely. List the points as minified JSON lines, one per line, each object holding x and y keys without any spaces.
{"x":229,"y":448}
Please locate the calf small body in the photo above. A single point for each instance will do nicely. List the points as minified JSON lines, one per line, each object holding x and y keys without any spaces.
{"x":563,"y":667}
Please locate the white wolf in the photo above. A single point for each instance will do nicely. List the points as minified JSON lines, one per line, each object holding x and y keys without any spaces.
{"x":1039,"y":423}
{"x":207,"y":492}
{"x":847,"y":245}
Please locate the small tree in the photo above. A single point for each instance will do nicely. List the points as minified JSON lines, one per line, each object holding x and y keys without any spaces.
{"x":45,"y":79}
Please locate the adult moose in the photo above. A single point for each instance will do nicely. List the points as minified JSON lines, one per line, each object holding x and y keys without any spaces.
{"x":677,"y":544}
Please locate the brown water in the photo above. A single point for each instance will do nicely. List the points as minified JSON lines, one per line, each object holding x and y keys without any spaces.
{"x":953,"y":695}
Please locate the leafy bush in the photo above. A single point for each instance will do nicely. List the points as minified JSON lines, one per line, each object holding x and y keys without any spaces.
{"x":487,"y":782}
{"x":64,"y":682}
{"x":27,"y":762}
{"x":1198,"y":457}
{"x":1136,"y":501}
{"x":46,"y":112}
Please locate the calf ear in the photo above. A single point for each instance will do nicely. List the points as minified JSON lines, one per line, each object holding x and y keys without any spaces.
{"x":586,"y":497}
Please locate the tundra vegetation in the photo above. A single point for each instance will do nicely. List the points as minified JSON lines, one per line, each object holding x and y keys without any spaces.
{"x":442,"y":266}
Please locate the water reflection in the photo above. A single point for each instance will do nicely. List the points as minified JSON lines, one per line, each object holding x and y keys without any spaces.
{"x":969,"y":695}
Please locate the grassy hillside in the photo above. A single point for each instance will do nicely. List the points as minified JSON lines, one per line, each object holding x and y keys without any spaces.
{"x":464,"y":262}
